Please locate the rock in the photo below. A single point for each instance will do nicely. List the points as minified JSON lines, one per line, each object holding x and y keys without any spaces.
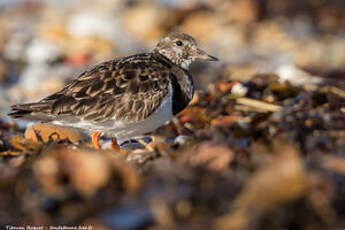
{"x":205,"y":31}
{"x":51,"y":85}
{"x":40,"y":80}
{"x":54,"y":31}
{"x":79,"y":50}
{"x":89,"y":24}
{"x":151,"y":18}
{"x":240,"y":72}
{"x":245,"y":11}
{"x":227,"y":43}
{"x":47,"y":131}
{"x":14,"y":49}
{"x":298,"y":77}
{"x":40,"y":52}
{"x":239,"y":90}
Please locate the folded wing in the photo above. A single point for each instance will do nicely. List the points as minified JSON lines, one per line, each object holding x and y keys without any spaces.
{"x":126,"y":90}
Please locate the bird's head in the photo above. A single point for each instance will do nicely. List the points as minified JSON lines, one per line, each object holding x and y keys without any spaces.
{"x":182,"y":49}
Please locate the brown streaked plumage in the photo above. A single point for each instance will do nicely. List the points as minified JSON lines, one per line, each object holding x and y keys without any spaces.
{"x":124,"y":97}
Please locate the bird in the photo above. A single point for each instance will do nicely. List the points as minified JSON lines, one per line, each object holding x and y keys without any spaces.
{"x":126,"y":97}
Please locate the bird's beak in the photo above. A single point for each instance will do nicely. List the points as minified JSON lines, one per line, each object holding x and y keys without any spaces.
{"x":203,"y":56}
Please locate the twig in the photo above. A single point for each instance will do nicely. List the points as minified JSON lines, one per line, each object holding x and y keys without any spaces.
{"x":258,"y":104}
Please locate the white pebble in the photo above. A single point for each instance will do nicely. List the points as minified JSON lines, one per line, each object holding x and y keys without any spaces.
{"x":239,"y":89}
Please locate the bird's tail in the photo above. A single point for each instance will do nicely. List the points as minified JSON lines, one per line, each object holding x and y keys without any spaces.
{"x":31,"y":111}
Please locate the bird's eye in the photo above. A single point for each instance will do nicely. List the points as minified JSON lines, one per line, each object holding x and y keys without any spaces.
{"x":179,"y":43}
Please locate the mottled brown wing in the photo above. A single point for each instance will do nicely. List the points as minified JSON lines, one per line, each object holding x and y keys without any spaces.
{"x":125,"y":90}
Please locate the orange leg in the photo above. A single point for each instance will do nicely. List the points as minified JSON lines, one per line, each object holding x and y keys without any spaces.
{"x":95,"y":139}
{"x":115,"y":146}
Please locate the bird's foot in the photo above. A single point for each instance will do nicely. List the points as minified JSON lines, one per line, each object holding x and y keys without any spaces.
{"x":115,"y":146}
{"x":95,"y":139}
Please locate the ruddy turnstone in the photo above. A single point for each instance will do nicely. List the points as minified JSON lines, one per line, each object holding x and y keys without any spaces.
{"x":126,"y":97}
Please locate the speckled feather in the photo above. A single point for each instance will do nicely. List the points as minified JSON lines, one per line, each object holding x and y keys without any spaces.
{"x":124,"y":91}
{"x":127,"y":89}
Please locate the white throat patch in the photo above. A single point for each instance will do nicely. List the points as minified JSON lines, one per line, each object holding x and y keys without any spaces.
{"x":185,"y":64}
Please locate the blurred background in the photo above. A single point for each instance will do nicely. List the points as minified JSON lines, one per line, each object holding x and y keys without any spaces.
{"x":43,"y":44}
{"x":266,"y":154}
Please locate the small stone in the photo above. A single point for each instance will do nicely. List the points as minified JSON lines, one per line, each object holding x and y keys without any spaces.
{"x":298,"y":77}
{"x":245,"y":11}
{"x":204,"y":31}
{"x":54,"y":132}
{"x":241,"y":72}
{"x":182,"y":139}
{"x":41,"y":52}
{"x":90,"y":23}
{"x":239,"y":90}
{"x":151,"y":18}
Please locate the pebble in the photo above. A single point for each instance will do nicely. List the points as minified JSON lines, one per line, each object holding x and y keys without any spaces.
{"x":239,"y":90}
{"x":89,"y":23}
{"x":298,"y":77}
{"x":41,"y":52}
{"x":151,"y":18}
